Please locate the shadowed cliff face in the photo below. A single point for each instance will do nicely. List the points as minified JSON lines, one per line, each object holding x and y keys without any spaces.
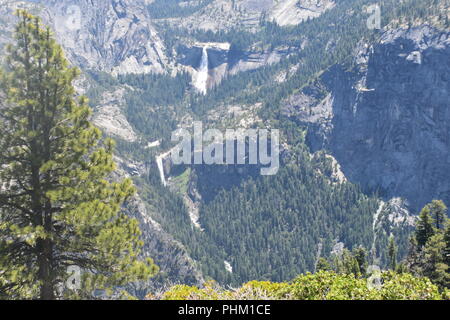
{"x":388,"y":121}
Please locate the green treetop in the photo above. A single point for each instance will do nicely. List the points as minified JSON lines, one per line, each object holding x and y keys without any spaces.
{"x":438,"y":211}
{"x":424,"y":227}
{"x":392,"y":252}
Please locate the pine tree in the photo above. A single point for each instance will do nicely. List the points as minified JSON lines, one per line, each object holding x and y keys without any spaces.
{"x":392,"y":251}
{"x":447,"y":243}
{"x":58,"y":206}
{"x":434,"y":266}
{"x":347,"y":264}
{"x":413,"y":261}
{"x":424,"y":227}
{"x":438,"y":211}
{"x":360,"y":254}
{"x":323,"y":265}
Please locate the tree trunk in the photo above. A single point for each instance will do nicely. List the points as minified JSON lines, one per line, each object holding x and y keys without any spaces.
{"x":45,"y":270}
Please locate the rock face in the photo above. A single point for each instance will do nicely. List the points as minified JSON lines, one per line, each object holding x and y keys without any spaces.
{"x":114,"y":36}
{"x":225,"y":14}
{"x":387,"y":122}
{"x":292,"y":12}
{"x":110,"y":118}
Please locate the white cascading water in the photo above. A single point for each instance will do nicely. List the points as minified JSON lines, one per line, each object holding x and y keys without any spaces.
{"x":159,"y":163}
{"x":200,"y":84}
{"x":202,"y":73}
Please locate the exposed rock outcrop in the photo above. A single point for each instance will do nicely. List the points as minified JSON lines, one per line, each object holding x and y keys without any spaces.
{"x":292,"y":12}
{"x":223,"y":15}
{"x":115,"y":36}
{"x":387,"y":121}
{"x":247,"y":14}
{"x":110,"y":118}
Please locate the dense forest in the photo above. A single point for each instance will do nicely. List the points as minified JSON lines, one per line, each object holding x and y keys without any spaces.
{"x":348,"y":275}
{"x":172,"y":8}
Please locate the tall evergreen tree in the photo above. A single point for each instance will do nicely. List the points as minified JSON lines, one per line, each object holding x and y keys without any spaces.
{"x":447,"y":243}
{"x":347,"y":264}
{"x":429,"y":251}
{"x":392,"y":251}
{"x":323,"y":265}
{"x":424,"y":227}
{"x":58,"y":206}
{"x":360,"y":254}
{"x":438,"y":211}
{"x":434,"y":266}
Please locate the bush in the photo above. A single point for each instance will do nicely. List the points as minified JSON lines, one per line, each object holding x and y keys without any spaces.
{"x":324,"y":285}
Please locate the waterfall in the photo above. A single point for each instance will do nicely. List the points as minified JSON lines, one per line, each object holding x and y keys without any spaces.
{"x":228,"y":267}
{"x":159,"y":162}
{"x":376,"y":221}
{"x":202,"y":73}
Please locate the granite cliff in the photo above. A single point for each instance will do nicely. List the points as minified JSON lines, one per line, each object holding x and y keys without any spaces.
{"x":386,"y":119}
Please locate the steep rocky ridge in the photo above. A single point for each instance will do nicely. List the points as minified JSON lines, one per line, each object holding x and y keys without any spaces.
{"x":247,"y":14}
{"x":115,"y":36}
{"x":110,"y":118}
{"x":387,"y":120}
{"x":292,"y":12}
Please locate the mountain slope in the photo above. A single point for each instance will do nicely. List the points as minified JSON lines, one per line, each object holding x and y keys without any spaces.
{"x":387,"y":121}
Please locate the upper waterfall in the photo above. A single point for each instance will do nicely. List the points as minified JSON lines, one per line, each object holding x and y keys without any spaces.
{"x":202,"y":73}
{"x":159,"y":162}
